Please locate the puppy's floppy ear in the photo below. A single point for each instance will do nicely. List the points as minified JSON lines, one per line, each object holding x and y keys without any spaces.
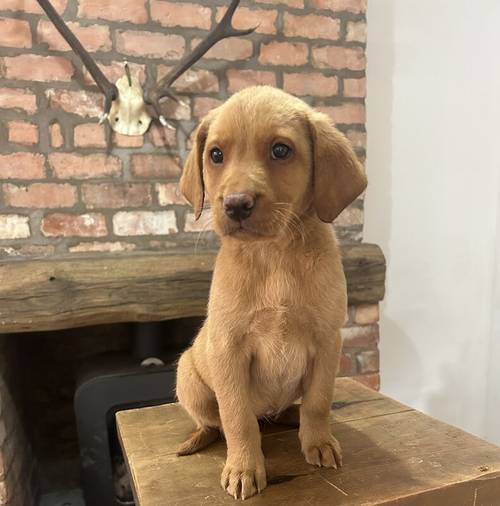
{"x":338,"y":177}
{"x":191,"y":183}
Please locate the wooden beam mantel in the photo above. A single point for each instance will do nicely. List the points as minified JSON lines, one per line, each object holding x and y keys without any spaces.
{"x":73,"y":292}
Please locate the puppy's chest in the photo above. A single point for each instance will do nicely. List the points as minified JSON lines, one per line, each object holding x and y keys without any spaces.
{"x":282,"y":351}
{"x":282,"y":342}
{"x":278,"y":309}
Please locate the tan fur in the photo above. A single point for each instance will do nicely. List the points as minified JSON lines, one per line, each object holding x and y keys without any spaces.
{"x":278,"y":295}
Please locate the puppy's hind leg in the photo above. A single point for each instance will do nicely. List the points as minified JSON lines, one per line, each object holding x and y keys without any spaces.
{"x":200,"y":402}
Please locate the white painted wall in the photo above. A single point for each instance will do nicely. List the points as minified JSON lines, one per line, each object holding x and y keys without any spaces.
{"x":433,"y":203}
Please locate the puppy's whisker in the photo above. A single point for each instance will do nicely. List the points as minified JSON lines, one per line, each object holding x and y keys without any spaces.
{"x":281,"y":220}
{"x":290,"y":221}
{"x":290,"y":228}
{"x":205,"y":229}
{"x":295,"y":220}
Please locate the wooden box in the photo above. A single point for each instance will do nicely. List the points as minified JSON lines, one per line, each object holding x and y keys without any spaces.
{"x":393,"y":455}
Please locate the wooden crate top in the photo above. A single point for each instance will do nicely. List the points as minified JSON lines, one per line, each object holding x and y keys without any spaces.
{"x":392,"y":455}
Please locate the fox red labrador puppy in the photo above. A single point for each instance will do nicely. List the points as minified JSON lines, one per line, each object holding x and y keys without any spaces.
{"x":276,"y":173}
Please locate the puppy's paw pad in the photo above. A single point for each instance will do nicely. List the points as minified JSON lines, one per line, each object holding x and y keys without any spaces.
{"x":242,"y":484}
{"x":324,"y":454}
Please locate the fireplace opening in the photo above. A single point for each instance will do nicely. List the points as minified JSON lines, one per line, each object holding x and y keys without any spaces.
{"x":45,"y":371}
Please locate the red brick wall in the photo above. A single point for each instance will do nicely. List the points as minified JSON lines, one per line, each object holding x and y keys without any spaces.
{"x":63,"y":191}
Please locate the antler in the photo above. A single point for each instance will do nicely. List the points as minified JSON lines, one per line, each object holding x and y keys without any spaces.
{"x":129,"y":111}
{"x":223,"y":30}
{"x":109,"y":90}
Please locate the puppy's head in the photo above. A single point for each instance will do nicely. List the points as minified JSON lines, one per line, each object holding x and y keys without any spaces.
{"x":266,"y":159}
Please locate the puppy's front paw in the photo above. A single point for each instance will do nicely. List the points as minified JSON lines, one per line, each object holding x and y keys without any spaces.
{"x":322,"y":452}
{"x":243,"y":478}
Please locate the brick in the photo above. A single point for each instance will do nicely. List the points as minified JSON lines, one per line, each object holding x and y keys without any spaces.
{"x":114,"y":70}
{"x":357,"y":139}
{"x":31,"y":67}
{"x":83,"y":103}
{"x":204,"y":224}
{"x":298,"y":4}
{"x":14,"y":98}
{"x":239,"y":79}
{"x":347,"y":365}
{"x":155,"y":166}
{"x":106,"y":247}
{"x":150,"y":44}
{"x":13,"y":226}
{"x":283,"y":53}
{"x":360,"y":336}
{"x":74,"y":225}
{"x":161,"y":136}
{"x":356,"y":31}
{"x":128,"y":141}
{"x":176,"y":110}
{"x":189,"y":140}
{"x":355,"y":88}
{"x":89,"y":135}
{"x":116,"y":195}
{"x":13,"y":448}
{"x":22,"y":132}
{"x":337,"y":57}
{"x":196,"y":81}
{"x":74,"y":166}
{"x":203,"y":105}
{"x":370,"y":380}
{"x":132,"y":11}
{"x":160,"y":245}
{"x":347,"y":114}
{"x":5,"y":492}
{"x":188,"y":15}
{"x":28,"y":250}
{"x":264,"y":20}
{"x":31,"y":6}
{"x":40,"y":195}
{"x":193,"y":81}
{"x":133,"y":223}
{"x":229,"y":49}
{"x":56,"y":135}
{"x":311,"y":26}
{"x":368,"y":361}
{"x":22,"y":166}
{"x":351,"y":216}
{"x":14,"y":33}
{"x":314,"y":84}
{"x":366,"y":313}
{"x":3,"y":432}
{"x":169,"y":194}
{"x":93,"y":37}
{"x":354,"y":6}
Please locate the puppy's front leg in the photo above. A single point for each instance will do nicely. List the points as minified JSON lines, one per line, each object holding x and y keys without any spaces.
{"x":244,"y":473}
{"x":319,"y":446}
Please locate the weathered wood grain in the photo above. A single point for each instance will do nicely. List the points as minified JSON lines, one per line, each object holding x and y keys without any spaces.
{"x":393,"y":455}
{"x":72,"y":292}
{"x":364,"y":267}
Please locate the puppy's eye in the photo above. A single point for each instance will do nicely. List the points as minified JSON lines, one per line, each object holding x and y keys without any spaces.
{"x":280,"y":151}
{"x":216,"y":155}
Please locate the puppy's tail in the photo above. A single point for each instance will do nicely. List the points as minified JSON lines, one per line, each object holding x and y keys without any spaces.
{"x":198,"y":440}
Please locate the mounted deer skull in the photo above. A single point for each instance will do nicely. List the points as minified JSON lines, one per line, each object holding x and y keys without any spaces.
{"x":129,"y":114}
{"x":126,"y":107}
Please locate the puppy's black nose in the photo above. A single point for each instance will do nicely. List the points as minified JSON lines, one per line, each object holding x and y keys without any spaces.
{"x":238,"y":206}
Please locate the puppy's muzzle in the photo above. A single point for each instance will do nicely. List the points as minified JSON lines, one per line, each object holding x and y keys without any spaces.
{"x":238,"y":206}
